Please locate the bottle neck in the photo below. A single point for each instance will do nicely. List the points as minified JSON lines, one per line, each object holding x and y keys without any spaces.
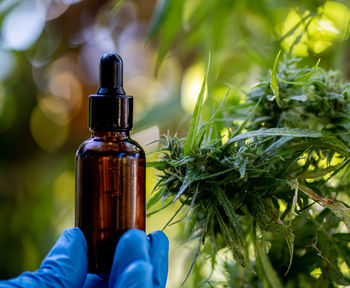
{"x":122,"y":134}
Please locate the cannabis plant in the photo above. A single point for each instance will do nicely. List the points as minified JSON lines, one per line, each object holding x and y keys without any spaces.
{"x":274,"y":190}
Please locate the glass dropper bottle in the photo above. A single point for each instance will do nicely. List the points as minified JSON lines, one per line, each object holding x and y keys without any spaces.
{"x":110,"y":170}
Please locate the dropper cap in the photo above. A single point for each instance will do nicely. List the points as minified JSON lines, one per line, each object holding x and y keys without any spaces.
{"x":110,"y":109}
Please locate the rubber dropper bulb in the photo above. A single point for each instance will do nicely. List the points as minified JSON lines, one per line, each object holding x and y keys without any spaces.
{"x":111,"y":75}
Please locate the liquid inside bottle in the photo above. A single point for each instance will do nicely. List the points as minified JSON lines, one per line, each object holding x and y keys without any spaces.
{"x":110,"y":196}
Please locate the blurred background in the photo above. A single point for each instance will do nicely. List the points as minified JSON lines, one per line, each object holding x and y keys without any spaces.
{"x":49,"y":54}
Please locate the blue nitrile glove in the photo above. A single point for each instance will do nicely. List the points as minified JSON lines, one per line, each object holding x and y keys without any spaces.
{"x":139,"y":261}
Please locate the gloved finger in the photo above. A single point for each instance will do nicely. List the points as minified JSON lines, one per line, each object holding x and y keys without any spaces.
{"x":64,"y":266}
{"x":132,"y":246}
{"x":159,"y":250}
{"x":96,"y":281}
{"x":137,"y":275}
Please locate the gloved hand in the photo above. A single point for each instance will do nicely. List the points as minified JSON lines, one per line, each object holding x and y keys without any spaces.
{"x":139,"y":261}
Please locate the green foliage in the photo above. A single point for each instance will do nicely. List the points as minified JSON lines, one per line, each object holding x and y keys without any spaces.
{"x":158,"y":17}
{"x":274,"y":184}
{"x":167,"y":26}
{"x":244,"y":33}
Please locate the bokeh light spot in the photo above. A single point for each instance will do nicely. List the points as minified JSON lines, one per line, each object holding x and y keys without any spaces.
{"x":67,"y":87}
{"x":225,"y":133}
{"x":48,"y":134}
{"x":293,"y":19}
{"x":316,"y":33}
{"x":23,"y":25}
{"x":64,"y":97}
{"x":191,"y":86}
{"x":339,"y":15}
{"x":56,"y":9}
{"x":139,"y":77}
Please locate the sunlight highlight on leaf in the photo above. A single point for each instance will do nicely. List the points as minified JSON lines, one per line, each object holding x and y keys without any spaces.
{"x":274,"y":82}
{"x":192,"y":133}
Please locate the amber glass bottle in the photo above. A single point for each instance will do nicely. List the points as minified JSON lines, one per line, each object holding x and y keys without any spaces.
{"x":110,"y":170}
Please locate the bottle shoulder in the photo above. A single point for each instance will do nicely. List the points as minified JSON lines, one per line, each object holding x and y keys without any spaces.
{"x":98,"y":146}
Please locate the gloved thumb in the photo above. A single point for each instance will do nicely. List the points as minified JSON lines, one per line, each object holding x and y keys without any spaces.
{"x":132,"y":266}
{"x":64,"y":266}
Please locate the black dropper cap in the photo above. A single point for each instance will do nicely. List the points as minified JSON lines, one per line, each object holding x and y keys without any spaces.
{"x":110,"y":109}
